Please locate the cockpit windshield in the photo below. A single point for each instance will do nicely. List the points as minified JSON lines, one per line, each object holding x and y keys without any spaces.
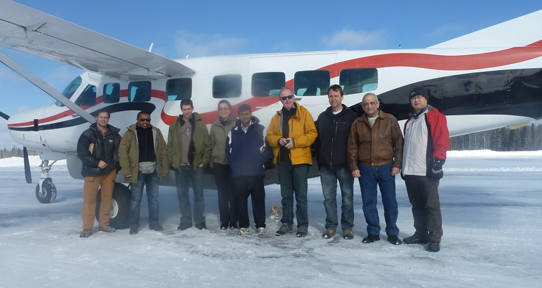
{"x":70,"y":89}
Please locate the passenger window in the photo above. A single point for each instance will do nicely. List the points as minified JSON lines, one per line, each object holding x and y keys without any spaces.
{"x":311,"y":83}
{"x":179,"y":89}
{"x":227,"y":86}
{"x":111,"y":93}
{"x":358,"y":80}
{"x":267,"y":84}
{"x":87,"y":97}
{"x":139,"y":91}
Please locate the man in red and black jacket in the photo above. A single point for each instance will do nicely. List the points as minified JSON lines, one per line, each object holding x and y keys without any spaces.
{"x":424,"y":152}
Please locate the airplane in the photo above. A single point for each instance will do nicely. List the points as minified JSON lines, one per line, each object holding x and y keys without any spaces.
{"x":487,"y":79}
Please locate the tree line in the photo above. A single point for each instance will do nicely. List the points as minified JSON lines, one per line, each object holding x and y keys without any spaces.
{"x":15,"y":152}
{"x":527,"y":138}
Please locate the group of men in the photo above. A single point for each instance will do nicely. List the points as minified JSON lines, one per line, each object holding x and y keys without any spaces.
{"x":370,"y":147}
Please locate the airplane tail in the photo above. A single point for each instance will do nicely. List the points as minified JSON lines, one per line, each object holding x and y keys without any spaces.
{"x":519,"y":32}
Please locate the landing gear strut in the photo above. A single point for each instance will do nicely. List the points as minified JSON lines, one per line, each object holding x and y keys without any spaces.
{"x":46,"y":190}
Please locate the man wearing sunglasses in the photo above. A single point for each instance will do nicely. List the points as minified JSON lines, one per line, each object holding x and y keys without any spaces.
{"x":143,"y":159}
{"x":291,"y":134}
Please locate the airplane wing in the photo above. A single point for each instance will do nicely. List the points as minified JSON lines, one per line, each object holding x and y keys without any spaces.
{"x":28,"y":30}
{"x":518,"y":32}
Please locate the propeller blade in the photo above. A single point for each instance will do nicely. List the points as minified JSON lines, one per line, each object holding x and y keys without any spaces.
{"x":4,"y":115}
{"x":27,"y":174}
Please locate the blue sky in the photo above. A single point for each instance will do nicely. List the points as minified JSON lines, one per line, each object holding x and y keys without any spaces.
{"x":205,"y":28}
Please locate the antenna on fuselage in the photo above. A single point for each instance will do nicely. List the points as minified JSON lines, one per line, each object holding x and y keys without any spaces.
{"x":186,"y":56}
{"x":150,"y":48}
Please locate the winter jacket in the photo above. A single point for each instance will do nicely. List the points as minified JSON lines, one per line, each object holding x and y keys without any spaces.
{"x":200,"y":144}
{"x":333,"y":131}
{"x":377,"y":146}
{"x":302,"y":131}
{"x":104,"y":148}
{"x":247,"y":152}
{"x":218,"y":134}
{"x":129,"y":153}
{"x":426,"y":137}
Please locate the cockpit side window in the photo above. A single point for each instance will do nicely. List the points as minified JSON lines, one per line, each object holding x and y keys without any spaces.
{"x":87,"y":97}
{"x":70,"y":89}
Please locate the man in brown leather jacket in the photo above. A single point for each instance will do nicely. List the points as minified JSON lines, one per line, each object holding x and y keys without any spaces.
{"x":375,"y":146}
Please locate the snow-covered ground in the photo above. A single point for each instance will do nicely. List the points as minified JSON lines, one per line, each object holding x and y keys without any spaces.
{"x":491,"y":206}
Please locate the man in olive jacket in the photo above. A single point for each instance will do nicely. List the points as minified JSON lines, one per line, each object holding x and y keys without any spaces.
{"x":143,"y":159}
{"x":189,"y":150}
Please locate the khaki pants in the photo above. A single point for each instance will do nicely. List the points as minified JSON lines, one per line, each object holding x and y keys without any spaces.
{"x":90,"y":192}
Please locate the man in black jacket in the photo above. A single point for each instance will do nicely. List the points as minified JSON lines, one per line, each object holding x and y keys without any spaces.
{"x":333,"y":127}
{"x":97,"y":148}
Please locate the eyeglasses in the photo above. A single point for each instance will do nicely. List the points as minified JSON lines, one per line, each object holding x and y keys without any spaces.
{"x":224,"y":109}
{"x":417,"y":97}
{"x":286,"y":97}
{"x":145,"y":120}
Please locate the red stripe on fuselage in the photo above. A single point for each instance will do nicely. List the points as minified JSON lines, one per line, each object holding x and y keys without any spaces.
{"x":417,"y":60}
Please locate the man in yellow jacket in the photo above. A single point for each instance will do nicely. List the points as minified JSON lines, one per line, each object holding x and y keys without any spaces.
{"x":291,"y":134}
{"x":143,"y":159}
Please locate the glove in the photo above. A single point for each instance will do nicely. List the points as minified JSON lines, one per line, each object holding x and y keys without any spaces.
{"x":436,"y":170}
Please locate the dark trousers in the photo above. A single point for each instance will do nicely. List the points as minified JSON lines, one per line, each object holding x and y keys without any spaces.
{"x":423,"y":195}
{"x":253,"y":186}
{"x":227,"y":200}
{"x":293,"y":181}
{"x":183,"y":179}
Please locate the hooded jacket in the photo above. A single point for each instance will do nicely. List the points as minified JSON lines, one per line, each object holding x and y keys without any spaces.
{"x":302,"y":131}
{"x":129,"y":153}
{"x":200,"y":143}
{"x":104,"y":148}
{"x":247,"y":152}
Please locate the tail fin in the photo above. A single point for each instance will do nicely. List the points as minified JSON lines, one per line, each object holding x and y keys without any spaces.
{"x":518,"y":32}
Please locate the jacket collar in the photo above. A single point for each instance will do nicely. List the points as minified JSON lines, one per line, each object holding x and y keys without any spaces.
{"x":330,"y":112}
{"x":296,"y":105}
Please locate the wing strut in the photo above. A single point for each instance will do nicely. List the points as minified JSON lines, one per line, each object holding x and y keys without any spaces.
{"x":45,"y":87}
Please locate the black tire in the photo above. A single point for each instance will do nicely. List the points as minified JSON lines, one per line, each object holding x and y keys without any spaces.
{"x":47,"y":194}
{"x":120,"y":207}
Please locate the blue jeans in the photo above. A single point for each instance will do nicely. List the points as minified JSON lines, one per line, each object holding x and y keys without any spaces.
{"x":183,"y":179}
{"x":370,"y":177}
{"x":293,"y":180}
{"x":328,"y":178}
{"x":151,"y":182}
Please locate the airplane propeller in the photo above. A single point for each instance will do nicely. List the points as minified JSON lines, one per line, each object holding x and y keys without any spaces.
{"x":27,"y":173}
{"x":4,"y":115}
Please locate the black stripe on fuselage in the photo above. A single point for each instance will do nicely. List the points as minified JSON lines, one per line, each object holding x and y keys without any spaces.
{"x":505,"y":92}
{"x":120,"y":107}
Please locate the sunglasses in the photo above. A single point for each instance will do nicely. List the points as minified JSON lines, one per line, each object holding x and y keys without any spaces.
{"x":145,"y":120}
{"x":286,"y":97}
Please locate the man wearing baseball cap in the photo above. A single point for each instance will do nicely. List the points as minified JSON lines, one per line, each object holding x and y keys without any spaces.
{"x":424,"y":152}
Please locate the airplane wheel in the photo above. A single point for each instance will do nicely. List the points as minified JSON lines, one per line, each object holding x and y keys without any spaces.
{"x":47,"y":194}
{"x":120,"y":207}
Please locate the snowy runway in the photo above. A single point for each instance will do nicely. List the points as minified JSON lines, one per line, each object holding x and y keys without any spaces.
{"x":491,"y":206}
